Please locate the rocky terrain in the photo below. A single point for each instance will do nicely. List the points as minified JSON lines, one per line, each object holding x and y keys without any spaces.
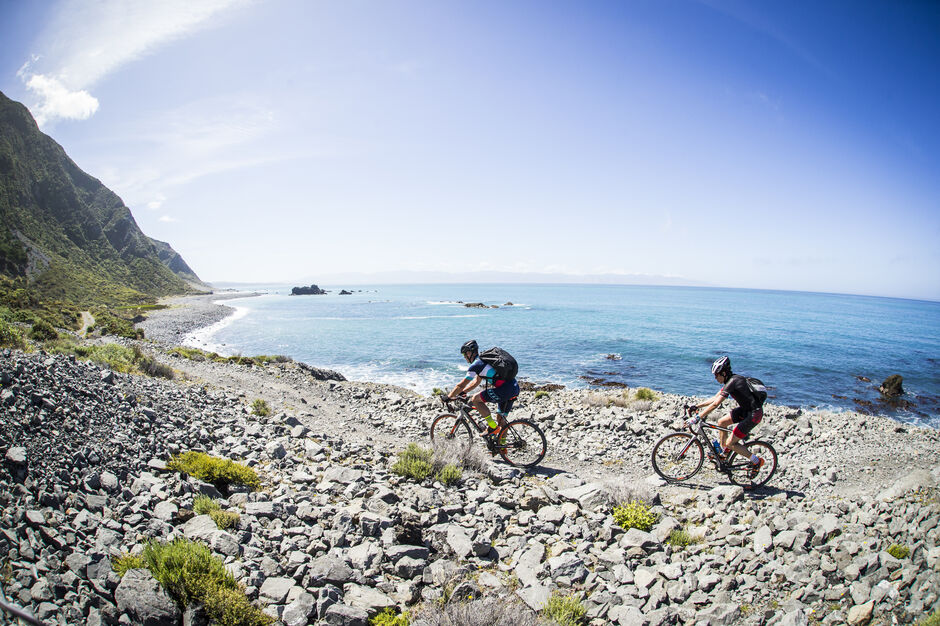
{"x":334,"y":535}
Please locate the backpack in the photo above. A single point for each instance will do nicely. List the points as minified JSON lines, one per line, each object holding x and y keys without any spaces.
{"x":758,"y":389}
{"x":501,"y":361}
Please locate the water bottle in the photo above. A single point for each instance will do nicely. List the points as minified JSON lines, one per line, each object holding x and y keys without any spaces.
{"x":717,"y":447}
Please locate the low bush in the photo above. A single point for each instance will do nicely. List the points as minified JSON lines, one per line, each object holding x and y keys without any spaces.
{"x":389,"y":617}
{"x":43,"y":331}
{"x":564,"y":610}
{"x":414,"y":462}
{"x":541,"y":394}
{"x":931,"y":620}
{"x":10,"y":336}
{"x":203,"y":505}
{"x":645,"y":394}
{"x":635,"y":514}
{"x":220,"y":472}
{"x":898,"y":551}
{"x":419,"y":463}
{"x":151,"y":367}
{"x":127,"y":561}
{"x":449,"y":474}
{"x":260,"y":408}
{"x":190,"y":574}
{"x":225,"y":519}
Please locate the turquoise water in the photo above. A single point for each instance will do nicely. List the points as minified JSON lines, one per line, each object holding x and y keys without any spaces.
{"x":809,"y":347}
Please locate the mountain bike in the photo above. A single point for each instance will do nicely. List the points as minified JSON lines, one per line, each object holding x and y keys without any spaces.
{"x":679,"y":456}
{"x":521,"y":443}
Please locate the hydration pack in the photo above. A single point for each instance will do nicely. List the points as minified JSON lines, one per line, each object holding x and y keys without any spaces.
{"x":501,"y":361}
{"x":758,"y":389}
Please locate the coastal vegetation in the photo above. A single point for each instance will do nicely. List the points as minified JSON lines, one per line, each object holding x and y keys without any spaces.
{"x":222,"y":473}
{"x":118,"y":357}
{"x":204,"y":505}
{"x":190,"y":574}
{"x":260,"y":408}
{"x":195,"y":354}
{"x":564,"y":610}
{"x":635,"y":514}
{"x":419,"y":463}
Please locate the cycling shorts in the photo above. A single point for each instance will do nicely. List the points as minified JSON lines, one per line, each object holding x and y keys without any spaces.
{"x":744,"y":421}
{"x":504,"y":396}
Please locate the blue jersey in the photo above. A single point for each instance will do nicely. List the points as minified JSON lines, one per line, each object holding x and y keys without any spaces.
{"x":484,"y":371}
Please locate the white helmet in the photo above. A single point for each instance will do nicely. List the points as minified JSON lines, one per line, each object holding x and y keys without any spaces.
{"x":722,"y":365}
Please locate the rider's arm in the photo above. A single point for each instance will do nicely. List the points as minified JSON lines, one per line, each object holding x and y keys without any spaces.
{"x":465,"y":385}
{"x":710,"y":405}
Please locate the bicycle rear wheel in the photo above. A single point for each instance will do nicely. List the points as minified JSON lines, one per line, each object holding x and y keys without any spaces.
{"x":740,"y":473}
{"x":677,"y":457}
{"x":522,"y":443}
{"x":451,"y":432}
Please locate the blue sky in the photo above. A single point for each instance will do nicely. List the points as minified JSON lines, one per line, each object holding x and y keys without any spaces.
{"x":781,"y":145}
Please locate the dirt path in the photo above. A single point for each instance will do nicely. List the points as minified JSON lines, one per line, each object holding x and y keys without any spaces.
{"x":88,"y":320}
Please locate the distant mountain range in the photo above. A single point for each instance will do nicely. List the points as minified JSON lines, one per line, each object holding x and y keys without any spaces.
{"x":67,"y":234}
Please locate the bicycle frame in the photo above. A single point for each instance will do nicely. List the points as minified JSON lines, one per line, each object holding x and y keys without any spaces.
{"x":465,"y":409}
{"x":723,"y":465}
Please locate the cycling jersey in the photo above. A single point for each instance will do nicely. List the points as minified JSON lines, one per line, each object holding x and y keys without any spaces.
{"x":484,"y":371}
{"x":738,"y":389}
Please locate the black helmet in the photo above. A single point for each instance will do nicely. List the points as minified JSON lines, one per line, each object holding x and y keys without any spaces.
{"x":471,"y":346}
{"x":722,"y":365}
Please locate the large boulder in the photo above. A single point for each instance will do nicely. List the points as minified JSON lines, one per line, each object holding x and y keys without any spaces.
{"x":141,"y":598}
{"x":312,"y":290}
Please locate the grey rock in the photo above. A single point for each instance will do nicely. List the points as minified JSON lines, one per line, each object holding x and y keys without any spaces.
{"x":343,"y":615}
{"x":275,"y":589}
{"x":140,"y":596}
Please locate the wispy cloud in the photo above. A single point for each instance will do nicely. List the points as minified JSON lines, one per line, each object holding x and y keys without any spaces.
{"x":86,"y":41}
{"x":168,"y":218}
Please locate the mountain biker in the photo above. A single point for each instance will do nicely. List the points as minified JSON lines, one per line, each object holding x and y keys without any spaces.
{"x":502,"y":392}
{"x":745,"y":416}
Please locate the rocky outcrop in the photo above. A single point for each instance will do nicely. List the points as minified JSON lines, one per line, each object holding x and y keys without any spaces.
{"x":312,"y":290}
{"x":891,"y":387}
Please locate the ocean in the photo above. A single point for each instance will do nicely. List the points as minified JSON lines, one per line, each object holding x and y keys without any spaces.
{"x":814,"y":350}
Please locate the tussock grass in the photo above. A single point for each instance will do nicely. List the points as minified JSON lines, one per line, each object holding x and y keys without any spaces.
{"x":645,"y":394}
{"x":931,"y":620}
{"x":635,"y":514}
{"x":488,"y":611}
{"x":195,"y":354}
{"x":120,"y":358}
{"x":43,"y":331}
{"x":190,"y":574}
{"x":564,"y":610}
{"x":127,"y":561}
{"x":542,"y":394}
{"x":204,"y":505}
{"x":260,"y":408}
{"x":680,"y":539}
{"x":220,"y":472}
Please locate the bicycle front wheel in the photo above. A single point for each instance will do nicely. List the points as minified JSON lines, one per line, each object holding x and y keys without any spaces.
{"x":451,"y":432}
{"x":677,"y":457}
{"x":741,"y":470}
{"x":522,"y":443}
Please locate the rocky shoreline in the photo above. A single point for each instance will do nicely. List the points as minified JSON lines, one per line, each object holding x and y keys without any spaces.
{"x":334,"y":535}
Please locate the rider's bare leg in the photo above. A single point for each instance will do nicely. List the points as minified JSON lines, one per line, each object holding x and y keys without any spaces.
{"x":725,"y":422}
{"x":480,"y":405}
{"x":738,"y":447}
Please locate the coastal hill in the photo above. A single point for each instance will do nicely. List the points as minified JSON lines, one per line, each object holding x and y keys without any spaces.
{"x":70,"y":237}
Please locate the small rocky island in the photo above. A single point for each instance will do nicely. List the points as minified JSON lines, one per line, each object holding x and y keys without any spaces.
{"x":312,"y":290}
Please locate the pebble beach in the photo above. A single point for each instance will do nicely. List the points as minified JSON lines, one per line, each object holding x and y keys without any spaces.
{"x":846,"y":532}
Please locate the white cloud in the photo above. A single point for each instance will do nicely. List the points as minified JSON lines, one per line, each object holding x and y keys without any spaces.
{"x":86,"y":41}
{"x":168,"y":218}
{"x":157,"y":202}
{"x":58,"y":102}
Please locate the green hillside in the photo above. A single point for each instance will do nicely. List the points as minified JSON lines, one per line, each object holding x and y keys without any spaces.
{"x":66,"y":236}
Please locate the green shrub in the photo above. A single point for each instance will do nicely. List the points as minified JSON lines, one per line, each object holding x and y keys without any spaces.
{"x":645,"y":394}
{"x":437,"y":391}
{"x":564,"y":610}
{"x":414,"y":462}
{"x":635,"y":514}
{"x":898,"y":551}
{"x":260,"y":407}
{"x":151,"y":367}
{"x":931,"y":620}
{"x":43,"y":331}
{"x":389,"y":617}
{"x":190,"y":574}
{"x":541,"y":394}
{"x":449,"y":474}
{"x":127,"y":561}
{"x":10,"y":336}
{"x":219,"y":472}
{"x":203,"y":505}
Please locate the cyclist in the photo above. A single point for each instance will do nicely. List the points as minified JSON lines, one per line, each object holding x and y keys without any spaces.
{"x":502,"y":392}
{"x":745,"y":416}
